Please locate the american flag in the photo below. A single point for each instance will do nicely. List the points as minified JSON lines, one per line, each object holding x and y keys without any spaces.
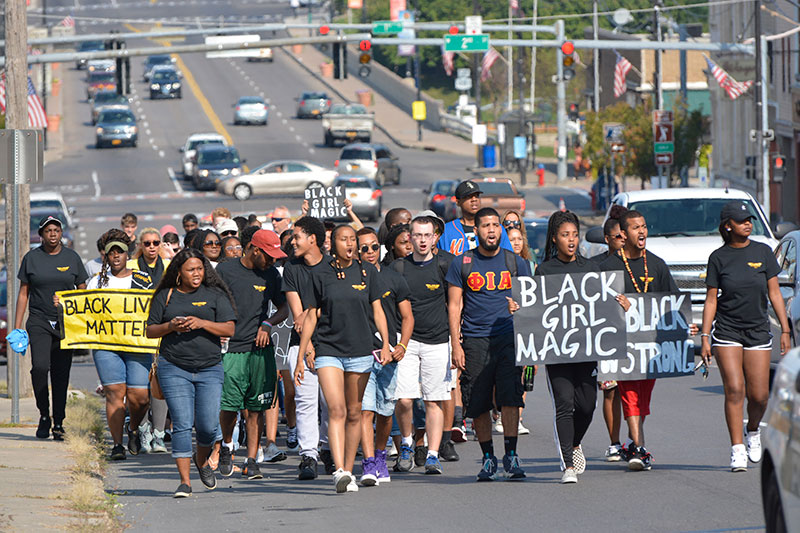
{"x":486,"y":65}
{"x":734,"y":88}
{"x":621,"y":70}
{"x":67,"y":22}
{"x":514,"y":5}
{"x":447,"y":62}
{"x":37,"y":118}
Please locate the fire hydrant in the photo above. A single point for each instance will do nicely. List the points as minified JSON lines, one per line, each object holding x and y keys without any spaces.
{"x":540,"y":173}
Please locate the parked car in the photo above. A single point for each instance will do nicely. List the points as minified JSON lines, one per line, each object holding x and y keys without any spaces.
{"x":53,"y":200}
{"x":261,"y":54}
{"x":88,"y":46}
{"x":100,"y":81}
{"x":781,"y":443}
{"x":216,"y":163}
{"x":165,"y":83}
{"x":365,"y":194}
{"x":116,"y":127}
{"x":536,"y":231}
{"x":106,"y":100}
{"x":347,"y":122}
{"x":501,"y":194}
{"x":3,"y":313}
{"x":189,"y":149}
{"x":312,"y":104}
{"x":101,"y":65}
{"x":37,"y":214}
{"x":441,"y":199}
{"x":374,"y":161}
{"x":157,"y":60}
{"x":251,"y":110}
{"x":278,"y":177}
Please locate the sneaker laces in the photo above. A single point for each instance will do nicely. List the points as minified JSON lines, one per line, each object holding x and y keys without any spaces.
{"x":514,"y":462}
{"x":488,"y":464}
{"x":405,"y":452}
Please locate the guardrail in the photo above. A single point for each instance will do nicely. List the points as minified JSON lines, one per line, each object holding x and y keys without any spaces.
{"x":453,"y":124}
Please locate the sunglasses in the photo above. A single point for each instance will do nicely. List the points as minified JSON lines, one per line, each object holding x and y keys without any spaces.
{"x":176,"y":249}
{"x":366,"y":248}
{"x":618,"y":236}
{"x":229,"y":233}
{"x":151,"y":243}
{"x":237,"y":248}
{"x":212,"y":243}
{"x":278,"y":219}
{"x":512,"y":224}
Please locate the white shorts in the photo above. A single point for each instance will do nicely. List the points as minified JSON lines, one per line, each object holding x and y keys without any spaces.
{"x":282,"y":359}
{"x":424,"y":372}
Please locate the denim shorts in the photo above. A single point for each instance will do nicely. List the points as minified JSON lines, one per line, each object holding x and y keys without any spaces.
{"x":358,"y":364}
{"x":379,"y":394}
{"x":115,"y":368}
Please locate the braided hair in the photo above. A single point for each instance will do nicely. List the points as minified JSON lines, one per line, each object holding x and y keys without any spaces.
{"x":558,"y":219}
{"x":210,"y":278}
{"x":335,"y":261}
{"x":114,"y":234}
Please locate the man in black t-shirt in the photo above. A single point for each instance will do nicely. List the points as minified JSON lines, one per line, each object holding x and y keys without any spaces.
{"x":249,"y":364}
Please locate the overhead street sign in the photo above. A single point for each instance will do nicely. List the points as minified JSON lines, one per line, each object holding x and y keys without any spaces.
{"x":663,"y":148}
{"x":664,"y":159}
{"x":473,"y":24}
{"x":387,"y":27}
{"x":466,"y":43}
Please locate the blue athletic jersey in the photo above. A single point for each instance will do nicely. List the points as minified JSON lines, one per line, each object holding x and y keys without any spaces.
{"x":454,"y":238}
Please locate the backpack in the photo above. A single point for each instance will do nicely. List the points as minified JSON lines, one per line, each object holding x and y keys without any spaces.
{"x":466,"y":265}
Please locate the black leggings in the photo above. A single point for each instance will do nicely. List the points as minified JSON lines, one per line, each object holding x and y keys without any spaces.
{"x":573,"y":388}
{"x":47,"y":356}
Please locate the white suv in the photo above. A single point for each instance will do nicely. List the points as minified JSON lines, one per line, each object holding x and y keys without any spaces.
{"x":683,"y":230}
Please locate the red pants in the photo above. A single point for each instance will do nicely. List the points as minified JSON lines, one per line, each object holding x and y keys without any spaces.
{"x":636,"y":396}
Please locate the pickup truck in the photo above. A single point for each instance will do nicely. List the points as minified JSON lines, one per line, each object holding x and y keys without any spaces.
{"x":500,"y":193}
{"x":349,"y":123}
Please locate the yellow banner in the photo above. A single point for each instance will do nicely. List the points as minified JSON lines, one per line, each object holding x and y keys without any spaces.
{"x":106,"y":319}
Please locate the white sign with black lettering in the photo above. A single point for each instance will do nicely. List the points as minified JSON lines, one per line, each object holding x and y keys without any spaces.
{"x":326,"y":202}
{"x":568,"y":318}
{"x":657,"y":326}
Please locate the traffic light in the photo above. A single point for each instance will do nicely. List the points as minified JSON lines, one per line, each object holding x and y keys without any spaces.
{"x":364,"y":58}
{"x":324,"y":30}
{"x":340,"y":61}
{"x":574,"y":112}
{"x":778,"y":168}
{"x":568,"y":49}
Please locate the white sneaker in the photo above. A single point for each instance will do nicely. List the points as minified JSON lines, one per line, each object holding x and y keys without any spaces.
{"x":578,"y":460}
{"x":392,"y":450}
{"x":522,"y":430}
{"x":753,"y":441}
{"x":612,"y":453}
{"x":272,"y":454}
{"x":259,"y":454}
{"x":498,"y":426}
{"x":158,"y":445}
{"x":569,"y":476}
{"x":738,"y":458}
{"x":352,"y":486}
{"x":146,"y":437}
{"x":341,"y":479}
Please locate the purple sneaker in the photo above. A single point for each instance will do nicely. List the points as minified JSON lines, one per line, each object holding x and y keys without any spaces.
{"x":380,"y":466}
{"x":369,"y":469}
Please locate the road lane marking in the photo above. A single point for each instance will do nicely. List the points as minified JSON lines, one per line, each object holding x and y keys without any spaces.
{"x":96,"y":182}
{"x":174,"y":180}
{"x":161,"y":153}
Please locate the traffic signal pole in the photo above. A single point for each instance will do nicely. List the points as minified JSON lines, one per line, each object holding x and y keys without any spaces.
{"x":561,"y":95}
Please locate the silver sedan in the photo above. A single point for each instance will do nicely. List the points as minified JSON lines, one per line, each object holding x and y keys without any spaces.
{"x":278,"y":177}
{"x":251,"y":110}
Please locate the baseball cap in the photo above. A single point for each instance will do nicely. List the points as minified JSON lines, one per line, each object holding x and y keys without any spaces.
{"x":736,"y":211}
{"x":226,"y":224}
{"x":467,"y":188}
{"x":47,"y":221}
{"x":269,"y":242}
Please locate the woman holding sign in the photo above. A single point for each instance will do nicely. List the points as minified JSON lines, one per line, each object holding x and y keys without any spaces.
{"x":742,"y":274}
{"x":191,"y":309}
{"x":572,"y":385}
{"x":124,"y":375}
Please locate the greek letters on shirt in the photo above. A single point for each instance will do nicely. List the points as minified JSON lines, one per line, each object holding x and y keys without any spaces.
{"x":477,"y":281}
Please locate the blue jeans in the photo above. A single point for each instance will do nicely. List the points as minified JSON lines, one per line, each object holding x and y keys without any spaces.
{"x":193,"y":399}
{"x":123,"y":368}
{"x":361,"y":364}
{"x":379,"y":394}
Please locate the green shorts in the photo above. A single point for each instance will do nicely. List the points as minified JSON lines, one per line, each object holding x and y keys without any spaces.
{"x":250,"y":380}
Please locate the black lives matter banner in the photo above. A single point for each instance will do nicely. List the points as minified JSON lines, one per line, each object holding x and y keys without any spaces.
{"x":657,"y":326}
{"x":326,"y":202}
{"x":106,"y":319}
{"x":280,"y":336}
{"x":568,"y":318}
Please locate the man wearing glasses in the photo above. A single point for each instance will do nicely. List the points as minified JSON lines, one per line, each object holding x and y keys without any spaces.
{"x":427,"y":358}
{"x":281,"y":219}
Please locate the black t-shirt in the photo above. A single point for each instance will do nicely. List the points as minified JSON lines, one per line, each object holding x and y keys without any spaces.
{"x":198,"y":348}
{"x":344,"y":326}
{"x":393,"y":290}
{"x":741,"y":275}
{"x":297,"y":278}
{"x":657,"y":272}
{"x":599,"y":258}
{"x":46,"y":274}
{"x":252,"y":291}
{"x":555,"y":265}
{"x":428,"y":296}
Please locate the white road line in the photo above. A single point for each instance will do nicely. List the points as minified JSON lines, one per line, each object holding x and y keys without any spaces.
{"x":146,"y":124}
{"x":291,"y":128}
{"x":155,"y":147}
{"x":161,"y":153}
{"x":174,"y":180}
{"x":147,"y":131}
{"x":299,"y":139}
{"x":143,"y":117}
{"x":284,"y":121}
{"x":96,"y":182}
{"x":311,"y":150}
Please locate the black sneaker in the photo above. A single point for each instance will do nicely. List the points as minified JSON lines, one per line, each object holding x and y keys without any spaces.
{"x":250,"y":469}
{"x":206,"y":474}
{"x":327,"y":460}
{"x":225,"y":461}
{"x":118,"y":452}
{"x":134,"y":446}
{"x":183,"y":491}
{"x":420,"y":455}
{"x":43,"y":431}
{"x":58,"y":432}
{"x":447,"y":451}
{"x":308,"y":468}
{"x":641,"y":460}
{"x":626,"y":451}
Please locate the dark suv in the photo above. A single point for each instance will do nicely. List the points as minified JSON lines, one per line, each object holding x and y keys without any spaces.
{"x":214,"y":164}
{"x":165,"y":83}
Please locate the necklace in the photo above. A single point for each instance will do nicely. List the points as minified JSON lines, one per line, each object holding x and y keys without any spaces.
{"x":628,"y":268}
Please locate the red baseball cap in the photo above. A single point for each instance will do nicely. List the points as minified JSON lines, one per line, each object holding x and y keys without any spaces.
{"x":269,"y":242}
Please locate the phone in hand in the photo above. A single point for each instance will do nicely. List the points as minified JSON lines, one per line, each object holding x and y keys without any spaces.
{"x":180,"y":318}
{"x":377,"y":355}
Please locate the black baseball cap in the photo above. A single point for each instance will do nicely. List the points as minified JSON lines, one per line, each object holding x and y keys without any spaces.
{"x":467,"y":188}
{"x":736,"y":211}
{"x":47,"y":221}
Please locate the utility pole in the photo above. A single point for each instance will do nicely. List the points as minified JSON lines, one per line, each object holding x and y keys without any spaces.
{"x":522,"y":162}
{"x":595,"y":30}
{"x":761,"y":119}
{"x":657,"y":73}
{"x":17,"y":235}
{"x":44,"y":73}
{"x":476,"y":69}
{"x":533,"y":58}
{"x":561,"y":108}
{"x":417,"y":80}
{"x":509,"y":66}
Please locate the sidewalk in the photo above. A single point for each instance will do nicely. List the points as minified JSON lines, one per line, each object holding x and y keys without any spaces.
{"x":390,"y":119}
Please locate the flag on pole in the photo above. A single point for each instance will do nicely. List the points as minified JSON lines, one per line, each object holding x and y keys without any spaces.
{"x":37,"y":117}
{"x":486,"y":64}
{"x":515,"y":8}
{"x":621,"y":70}
{"x":734,"y":88}
{"x":447,"y":62}
{"x":67,"y":22}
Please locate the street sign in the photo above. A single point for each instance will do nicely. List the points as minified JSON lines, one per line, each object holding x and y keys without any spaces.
{"x":663,"y":148}
{"x":473,"y":24}
{"x":612,"y":132}
{"x":466,"y":43}
{"x":418,"y":110}
{"x":663,"y":133}
{"x":664,"y":159}
{"x":661,"y":116}
{"x":479,"y":134}
{"x":617,"y":147}
{"x":663,"y":140}
{"x":406,"y":50}
{"x":463,"y":73}
{"x":463,"y":84}
{"x":386,"y":27}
